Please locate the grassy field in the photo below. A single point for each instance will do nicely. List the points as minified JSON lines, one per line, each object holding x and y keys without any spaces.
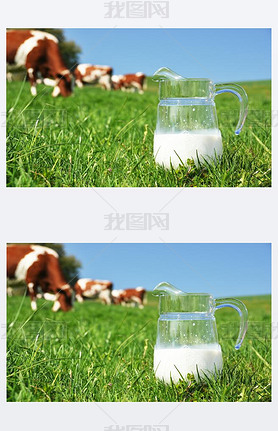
{"x":101,"y":353}
{"x":104,"y":139}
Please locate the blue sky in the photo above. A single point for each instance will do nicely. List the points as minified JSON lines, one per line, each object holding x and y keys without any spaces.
{"x":218,"y":54}
{"x":219,"y":269}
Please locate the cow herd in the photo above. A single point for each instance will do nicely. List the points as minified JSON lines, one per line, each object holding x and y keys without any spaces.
{"x":39,"y":267}
{"x":39,"y":53}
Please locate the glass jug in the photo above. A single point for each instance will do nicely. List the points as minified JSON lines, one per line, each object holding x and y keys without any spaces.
{"x":187,"y":340}
{"x":187,"y":126}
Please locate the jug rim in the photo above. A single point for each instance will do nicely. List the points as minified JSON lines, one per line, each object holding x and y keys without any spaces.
{"x":180,"y":79}
{"x":183,"y":294}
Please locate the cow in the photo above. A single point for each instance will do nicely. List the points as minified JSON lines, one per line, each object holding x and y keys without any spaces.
{"x":132,"y":81}
{"x":93,"y":74}
{"x":9,"y":77}
{"x":39,"y":267}
{"x":39,"y":52}
{"x":129,"y":296}
{"x":87,"y":288}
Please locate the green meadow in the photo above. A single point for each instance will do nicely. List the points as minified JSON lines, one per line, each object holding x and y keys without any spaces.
{"x":102,"y":353}
{"x":98,"y":138}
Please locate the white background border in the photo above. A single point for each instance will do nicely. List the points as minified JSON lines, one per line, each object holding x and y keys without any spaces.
{"x":196,"y":215}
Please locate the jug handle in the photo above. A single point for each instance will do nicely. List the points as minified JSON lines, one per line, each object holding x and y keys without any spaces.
{"x":237,"y":305}
{"x":243,"y":100}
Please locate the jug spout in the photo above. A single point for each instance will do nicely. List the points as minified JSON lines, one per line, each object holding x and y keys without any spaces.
{"x":165,"y":288}
{"x":165,"y":73}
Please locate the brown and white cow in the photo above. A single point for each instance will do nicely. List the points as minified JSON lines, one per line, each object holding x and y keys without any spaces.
{"x":38,"y":51}
{"x":87,"y":288}
{"x":132,"y":81}
{"x":39,"y":267}
{"x":129,"y":296}
{"x":93,"y":74}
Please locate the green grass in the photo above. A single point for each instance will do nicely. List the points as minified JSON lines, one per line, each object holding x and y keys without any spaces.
{"x":104,"y":139}
{"x":101,"y":353}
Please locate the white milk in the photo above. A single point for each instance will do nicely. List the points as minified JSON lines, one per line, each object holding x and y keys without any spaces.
{"x":206,"y":358}
{"x":172,"y":147}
